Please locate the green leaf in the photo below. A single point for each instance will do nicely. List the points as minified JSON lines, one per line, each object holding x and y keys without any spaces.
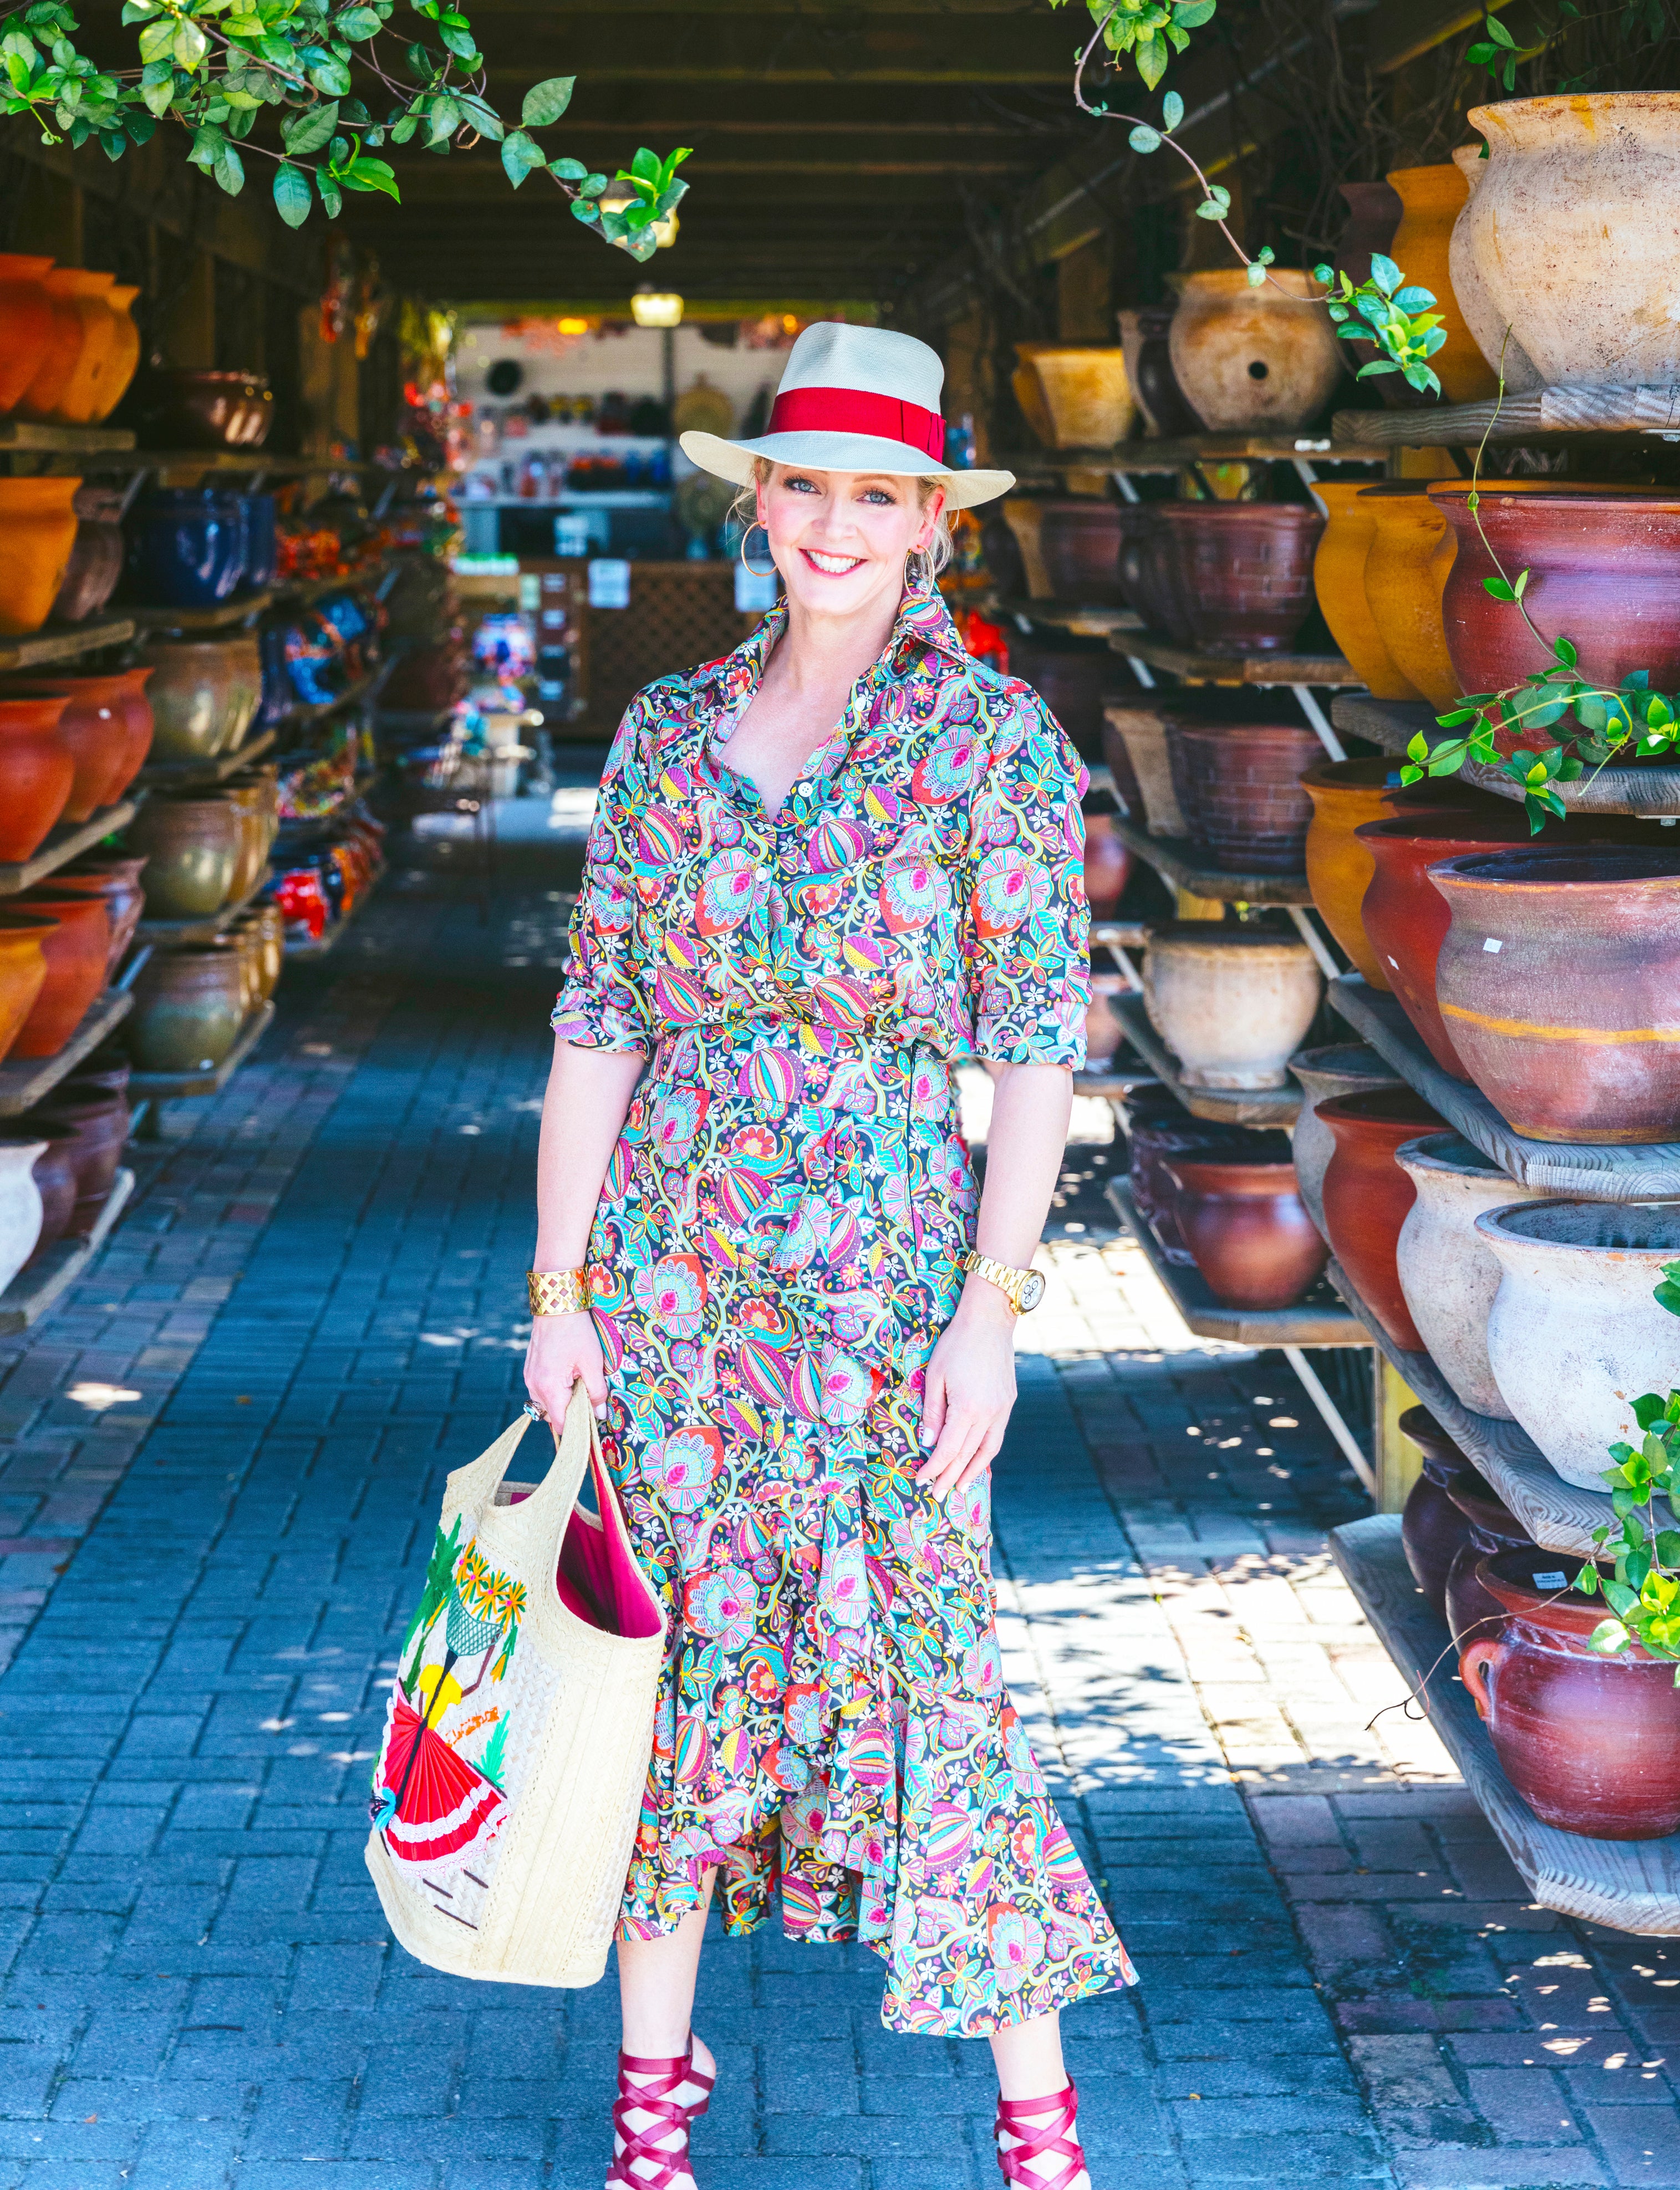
{"x":330,"y":76}
{"x":1172,"y":107}
{"x":443,"y":118}
{"x":585,"y":209}
{"x":1621,"y":1599}
{"x":462,"y":45}
{"x":309,"y":128}
{"x":546,"y":101}
{"x":1385,"y":274}
{"x":230,"y":171}
{"x":292,"y":194}
{"x":365,"y":174}
{"x":1151,"y":56}
{"x":567,"y":171}
{"x":158,"y":40}
{"x":358,"y":23}
{"x":1586,"y":1581}
{"x":331,"y":197}
{"x":404,"y":128}
{"x":520,"y":154}
{"x":1501,"y":36}
{"x":1608,"y":1637}
{"x":1668,"y":1546}
{"x":1190,"y":15}
{"x":1501,"y":589}
{"x":189,"y":45}
{"x":1521,"y":586}
{"x":592,"y":186}
{"x":1142,"y":138}
{"x":484,"y":119}
{"x":1210,"y":209}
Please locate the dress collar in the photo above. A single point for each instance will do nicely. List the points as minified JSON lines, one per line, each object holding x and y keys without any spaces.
{"x":923,"y":624}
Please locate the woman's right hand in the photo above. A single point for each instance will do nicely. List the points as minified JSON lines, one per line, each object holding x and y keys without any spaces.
{"x":563,"y":1348}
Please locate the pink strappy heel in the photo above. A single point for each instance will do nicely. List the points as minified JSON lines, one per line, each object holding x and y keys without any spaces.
{"x":665,"y":2163}
{"x":1056,"y":2139}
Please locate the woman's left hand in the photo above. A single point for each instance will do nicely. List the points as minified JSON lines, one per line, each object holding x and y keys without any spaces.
{"x":970,"y":1390}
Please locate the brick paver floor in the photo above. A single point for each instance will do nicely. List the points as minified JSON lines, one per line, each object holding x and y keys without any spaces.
{"x":230,"y":1443}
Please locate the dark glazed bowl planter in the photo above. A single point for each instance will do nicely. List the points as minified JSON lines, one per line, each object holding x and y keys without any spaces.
{"x":1144,"y":336}
{"x":1244,"y":571}
{"x":1239,"y":788}
{"x":1247,"y":1228}
{"x":1591,"y":1744}
{"x":1556,"y":982}
{"x":1366,"y":1196}
{"x":1158,"y":1132}
{"x":1072,"y":682}
{"x":1433,"y":1529}
{"x":1147,"y":576}
{"x":96,"y":560}
{"x":1492,"y":1527}
{"x":187,"y":407}
{"x":1080,"y":543}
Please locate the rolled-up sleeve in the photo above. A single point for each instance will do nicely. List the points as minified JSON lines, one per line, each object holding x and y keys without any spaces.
{"x":1028,"y":924}
{"x":601,"y":1004}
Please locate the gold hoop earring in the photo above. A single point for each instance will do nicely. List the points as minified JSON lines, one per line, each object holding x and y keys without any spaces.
{"x":751,"y":568}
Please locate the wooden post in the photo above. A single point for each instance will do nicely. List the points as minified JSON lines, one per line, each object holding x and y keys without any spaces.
{"x":1398,"y":1462}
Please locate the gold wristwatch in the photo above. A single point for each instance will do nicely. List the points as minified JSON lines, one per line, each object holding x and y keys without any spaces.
{"x":1022,"y":1289}
{"x":559,"y":1292}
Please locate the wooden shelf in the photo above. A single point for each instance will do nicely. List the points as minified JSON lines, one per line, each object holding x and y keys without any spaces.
{"x":1118,"y":934}
{"x":1544,"y":410}
{"x":33,"y":1291}
{"x":1559,"y":1516}
{"x":25,"y":1081}
{"x":216,"y":617}
{"x":65,"y":843}
{"x":1632,"y":1886}
{"x":64,"y":642}
{"x":1082,"y":620}
{"x":1316,"y":1321}
{"x":204,"y":926}
{"x":1626,"y":1172}
{"x":27,"y":437}
{"x":188,"y":774}
{"x":1232,"y":669}
{"x":1179,"y":861}
{"x":1224,"y":1106}
{"x":165,"y":1086}
{"x":1141,"y":457}
{"x":1651,"y":788}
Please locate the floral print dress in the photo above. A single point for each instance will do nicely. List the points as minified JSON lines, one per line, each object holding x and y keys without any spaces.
{"x":775,"y":1252}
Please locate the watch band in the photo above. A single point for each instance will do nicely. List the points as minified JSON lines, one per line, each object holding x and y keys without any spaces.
{"x":1022,"y":1289}
{"x":558,"y":1292}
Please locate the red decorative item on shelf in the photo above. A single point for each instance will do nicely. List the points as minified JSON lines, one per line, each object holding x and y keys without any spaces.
{"x":302,"y":902}
{"x":117,"y":880}
{"x":22,"y":968}
{"x":1239,"y":786}
{"x":97,"y":1126}
{"x":105,"y":727}
{"x":1247,"y":1227}
{"x":1366,"y":1196}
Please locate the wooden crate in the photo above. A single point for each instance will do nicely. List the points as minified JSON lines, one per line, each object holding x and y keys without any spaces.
{"x":680,"y":614}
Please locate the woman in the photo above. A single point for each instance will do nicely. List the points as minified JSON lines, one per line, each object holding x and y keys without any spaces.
{"x":824,"y":870}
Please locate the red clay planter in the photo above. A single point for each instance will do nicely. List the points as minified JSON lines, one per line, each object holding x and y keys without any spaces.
{"x":1244,"y":571}
{"x":1366,"y":1196}
{"x":1248,"y":1229}
{"x":76,"y":951}
{"x":1591,"y":1743}
{"x":1238,"y":787}
{"x":37,"y":774}
{"x":1157,"y":1136}
{"x":1558,"y":984}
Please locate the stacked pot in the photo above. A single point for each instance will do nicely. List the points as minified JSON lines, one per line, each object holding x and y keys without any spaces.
{"x":59,"y":1162}
{"x":70,"y":747}
{"x":1224,"y":577}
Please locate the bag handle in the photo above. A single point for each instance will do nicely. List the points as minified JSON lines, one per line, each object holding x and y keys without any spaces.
{"x":549,"y":1506}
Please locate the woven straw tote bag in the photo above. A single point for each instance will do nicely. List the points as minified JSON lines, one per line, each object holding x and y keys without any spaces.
{"x":517,"y":1737}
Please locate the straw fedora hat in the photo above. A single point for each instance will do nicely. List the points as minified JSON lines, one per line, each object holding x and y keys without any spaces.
{"x":855,"y":400}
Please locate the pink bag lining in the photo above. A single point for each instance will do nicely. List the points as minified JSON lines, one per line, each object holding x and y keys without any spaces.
{"x":598,"y":1579}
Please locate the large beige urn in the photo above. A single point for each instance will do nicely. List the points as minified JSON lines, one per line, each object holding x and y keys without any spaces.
{"x":1254,"y":360}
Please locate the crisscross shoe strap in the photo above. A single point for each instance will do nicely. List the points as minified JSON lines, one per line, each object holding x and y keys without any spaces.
{"x":1053,"y":2139}
{"x":643,"y":2145}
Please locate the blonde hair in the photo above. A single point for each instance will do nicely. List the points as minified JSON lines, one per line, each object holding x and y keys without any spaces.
{"x":924,"y":566}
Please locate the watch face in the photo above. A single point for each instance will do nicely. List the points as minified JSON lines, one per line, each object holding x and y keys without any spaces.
{"x":1032,"y":1289}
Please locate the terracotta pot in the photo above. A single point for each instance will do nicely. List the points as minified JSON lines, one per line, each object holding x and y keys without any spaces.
{"x":1591,"y":1744}
{"x":1556,"y":981}
{"x":1149,"y":575}
{"x":20,"y":1210}
{"x":1108,"y":864}
{"x":105,"y":727}
{"x":1231,"y":1003}
{"x":1488,"y":331}
{"x":37,"y":774}
{"x":1338,"y":581}
{"x":1447,"y":1272}
{"x":95,"y":559}
{"x":76,"y":951}
{"x":125,"y":353}
{"x":1432,"y":198}
{"x":1159,"y":1131}
{"x":1472,"y":1612}
{"x":1238,"y":787}
{"x":37,"y":532}
{"x":58,"y":361}
{"x":1403,"y":586}
{"x":1575,"y":1335}
{"x":1136,"y":732}
{"x":1244,"y":570}
{"x":54,"y":1175}
{"x":1575,"y":207}
{"x":1145,"y":338}
{"x":1085,"y":397}
{"x":191,"y":847}
{"x":89,"y":377}
{"x":1602,"y":574}
{"x":1248,"y":1229}
{"x":1367,"y":1196}
{"x":1340,"y":1068}
{"x":26,"y":330}
{"x":191,"y":408}
{"x":1346,"y":795}
{"x":1254,"y":360}
{"x":203,"y":694}
{"x":1434,"y":1530}
{"x":188,"y":1008}
{"x":23,"y":968}
{"x":1079,"y":542}
{"x":97,"y":1128}
{"x":1072,"y":681}
{"x":116,"y":881}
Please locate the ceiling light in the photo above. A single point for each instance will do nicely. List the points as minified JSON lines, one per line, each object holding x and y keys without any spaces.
{"x":655,"y":308}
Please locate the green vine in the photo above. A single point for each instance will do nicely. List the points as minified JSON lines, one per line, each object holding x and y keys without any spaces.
{"x":1643,"y":1593}
{"x":217,"y":68}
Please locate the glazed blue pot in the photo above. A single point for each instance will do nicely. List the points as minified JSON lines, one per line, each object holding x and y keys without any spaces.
{"x":186,"y":547}
{"x":262,"y":542}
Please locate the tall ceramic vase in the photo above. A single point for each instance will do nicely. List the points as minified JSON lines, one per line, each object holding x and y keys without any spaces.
{"x":1431,"y":199}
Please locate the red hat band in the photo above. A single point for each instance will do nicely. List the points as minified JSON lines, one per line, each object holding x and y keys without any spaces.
{"x":854,"y":410}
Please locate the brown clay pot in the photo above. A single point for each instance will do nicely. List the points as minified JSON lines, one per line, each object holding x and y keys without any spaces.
{"x":1108,"y":864}
{"x":76,"y":952}
{"x":1336,"y":1067}
{"x":191,"y":847}
{"x":96,"y":557}
{"x":249,"y":802}
{"x":1239,"y":786}
{"x":106,"y":1072}
{"x":1374,"y":211}
{"x":1248,"y":1229}
{"x":1148,"y":576}
{"x":1146,"y":338}
{"x":1080,"y":543}
{"x":1406,"y":917}
{"x":1346,"y":795}
{"x":1254,"y":360}
{"x":37,"y":532}
{"x":1366,"y":1196}
{"x":28,"y":324}
{"x":1557,"y":981}
{"x":188,"y":1008}
{"x":1492,"y":1527}
{"x":106,"y":725}
{"x":1245,"y":571}
{"x":23,"y":968}
{"x":1591,"y":1744}
{"x":54,"y":1173}
{"x":1159,"y":1132}
{"x":1072,"y":682}
{"x":97,"y":1126}
{"x":1433,"y":1529}
{"x":1601,"y":571}
{"x":192,"y":408}
{"x":38,"y":775}
{"x":203,"y":694}
{"x":117,"y":881}
{"x":1134,"y":746}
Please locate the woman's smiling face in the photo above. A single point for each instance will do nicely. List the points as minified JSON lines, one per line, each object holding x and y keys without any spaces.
{"x":839,"y":539}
